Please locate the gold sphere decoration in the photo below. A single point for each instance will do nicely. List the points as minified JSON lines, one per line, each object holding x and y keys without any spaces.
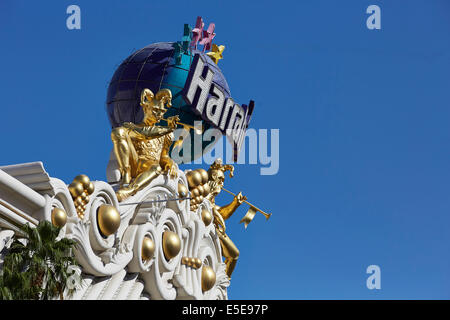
{"x":148,"y":248}
{"x":206,"y":217}
{"x":59,"y":217}
{"x":195,"y":193}
{"x":206,"y":190}
{"x":201,"y":190}
{"x":76,"y":189}
{"x":108,"y":219}
{"x":171,"y":244}
{"x":204,"y":175}
{"x":182,"y":191}
{"x":208,"y":278}
{"x":194,"y":179}
{"x":78,"y":201}
{"x":90,"y":188}
{"x":199,"y":199}
{"x":197,"y":263}
{"x":83,"y":179}
{"x":83,"y":195}
{"x":184,"y":260}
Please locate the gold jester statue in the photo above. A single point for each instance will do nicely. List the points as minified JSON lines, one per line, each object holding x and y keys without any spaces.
{"x":142,"y":150}
{"x":216,"y":179}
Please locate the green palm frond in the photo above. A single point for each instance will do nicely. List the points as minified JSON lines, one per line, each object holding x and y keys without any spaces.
{"x":35,"y":267}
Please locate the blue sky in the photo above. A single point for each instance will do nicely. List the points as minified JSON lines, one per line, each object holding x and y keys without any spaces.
{"x":363,"y":118}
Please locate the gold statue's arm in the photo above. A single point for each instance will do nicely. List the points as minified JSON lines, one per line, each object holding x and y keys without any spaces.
{"x":148,"y":131}
{"x":228,"y":210}
{"x":155,"y":131}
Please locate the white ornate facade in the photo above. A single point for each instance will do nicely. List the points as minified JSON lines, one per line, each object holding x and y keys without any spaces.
{"x":112,"y":266}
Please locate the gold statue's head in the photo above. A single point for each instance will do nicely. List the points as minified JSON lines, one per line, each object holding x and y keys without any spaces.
{"x":216,"y":176}
{"x":155,"y":106}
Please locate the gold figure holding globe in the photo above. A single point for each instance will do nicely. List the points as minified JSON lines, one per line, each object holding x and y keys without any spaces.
{"x":142,"y":150}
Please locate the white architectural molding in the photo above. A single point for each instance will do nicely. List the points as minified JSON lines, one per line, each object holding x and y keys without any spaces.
{"x":112,"y":267}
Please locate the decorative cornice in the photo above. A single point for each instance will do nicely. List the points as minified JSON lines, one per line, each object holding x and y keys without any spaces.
{"x":113,"y":267}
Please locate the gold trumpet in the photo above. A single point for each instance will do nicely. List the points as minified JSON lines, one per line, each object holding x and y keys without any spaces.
{"x":267,"y":215}
{"x":197,"y":130}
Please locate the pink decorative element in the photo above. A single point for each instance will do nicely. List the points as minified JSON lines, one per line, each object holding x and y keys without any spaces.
{"x":208,"y":36}
{"x":197,"y":32}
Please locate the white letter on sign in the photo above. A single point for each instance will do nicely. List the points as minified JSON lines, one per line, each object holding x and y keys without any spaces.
{"x":198,"y":83}
{"x":215,"y":105}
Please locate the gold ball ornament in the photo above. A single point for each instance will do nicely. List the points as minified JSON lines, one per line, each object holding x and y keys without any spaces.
{"x":204,"y":175}
{"x":76,"y":189}
{"x":195,"y":193}
{"x":194,"y":179}
{"x":59,"y":217}
{"x":171,"y":244}
{"x":191,"y":262}
{"x":108,"y":219}
{"x":199,"y":199}
{"x":78,"y":202}
{"x":182,"y":191}
{"x":206,"y":217}
{"x":148,"y":248}
{"x":200,"y":190}
{"x":208,"y":278}
{"x":197,"y":263}
{"x":184,"y":260}
{"x":206,"y":190}
{"x":90,"y":188}
{"x":83,"y":179}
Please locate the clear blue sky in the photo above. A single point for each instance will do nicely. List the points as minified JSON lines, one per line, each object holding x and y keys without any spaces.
{"x":363,"y":118}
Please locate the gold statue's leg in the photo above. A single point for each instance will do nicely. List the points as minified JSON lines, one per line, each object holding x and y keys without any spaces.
{"x":146,"y":177}
{"x":230,"y":252}
{"x":141,"y":181}
{"x":125,"y":153}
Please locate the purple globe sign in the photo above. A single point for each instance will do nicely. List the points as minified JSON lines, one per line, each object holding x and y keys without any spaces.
{"x":163,"y":65}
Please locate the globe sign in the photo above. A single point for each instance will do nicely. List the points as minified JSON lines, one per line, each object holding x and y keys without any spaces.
{"x":155,"y":67}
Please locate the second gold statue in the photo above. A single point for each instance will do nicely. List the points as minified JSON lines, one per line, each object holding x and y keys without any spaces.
{"x":142,"y":150}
